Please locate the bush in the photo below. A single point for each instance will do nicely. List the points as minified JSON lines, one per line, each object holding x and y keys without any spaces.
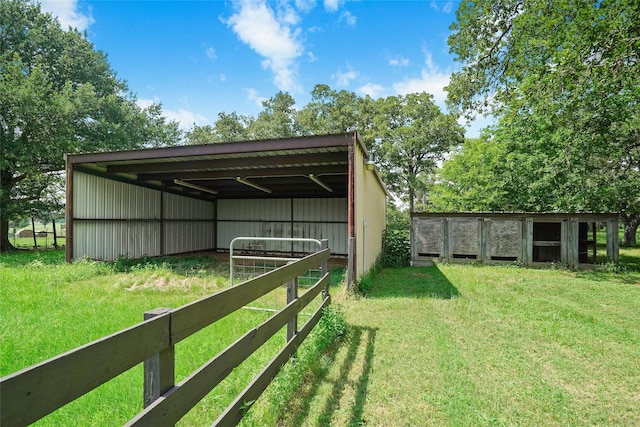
{"x":396,"y":247}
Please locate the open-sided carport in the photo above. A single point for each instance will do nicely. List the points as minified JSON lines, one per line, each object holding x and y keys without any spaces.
{"x":173,"y":200}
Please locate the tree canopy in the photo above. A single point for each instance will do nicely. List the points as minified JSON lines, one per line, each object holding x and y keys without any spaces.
{"x":58,"y":95}
{"x":562,"y":80}
{"x":407,"y":135}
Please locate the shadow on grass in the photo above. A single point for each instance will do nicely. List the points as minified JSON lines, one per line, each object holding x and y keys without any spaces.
{"x":353,"y":359}
{"x":412,"y":282}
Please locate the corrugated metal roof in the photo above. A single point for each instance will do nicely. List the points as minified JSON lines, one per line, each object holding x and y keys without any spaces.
{"x":315,"y":166}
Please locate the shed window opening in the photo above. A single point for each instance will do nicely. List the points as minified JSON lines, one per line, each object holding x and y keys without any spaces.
{"x":546,"y":241}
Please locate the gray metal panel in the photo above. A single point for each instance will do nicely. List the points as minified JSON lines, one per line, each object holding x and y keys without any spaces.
{"x":335,"y":233}
{"x":255,"y":210}
{"x":114,"y":219}
{"x":320,"y":210}
{"x":178,"y":207}
{"x":229,"y":230}
{"x":116,"y":239}
{"x":95,"y":197}
{"x":188,"y":236}
{"x":312,"y":218}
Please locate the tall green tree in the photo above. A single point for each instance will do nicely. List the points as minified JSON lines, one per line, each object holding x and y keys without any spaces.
{"x":230,"y":127}
{"x":58,"y":95}
{"x":471,"y":179}
{"x":277,"y":120}
{"x":330,"y":111}
{"x":562,"y":79}
{"x":411,"y":135}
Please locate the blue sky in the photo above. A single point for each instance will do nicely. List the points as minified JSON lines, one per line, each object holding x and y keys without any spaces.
{"x":199,"y":58}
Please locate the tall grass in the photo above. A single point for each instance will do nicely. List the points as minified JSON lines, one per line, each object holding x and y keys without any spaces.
{"x":48,"y":307}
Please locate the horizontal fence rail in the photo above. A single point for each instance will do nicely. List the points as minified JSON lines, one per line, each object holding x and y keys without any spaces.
{"x":34,"y":392}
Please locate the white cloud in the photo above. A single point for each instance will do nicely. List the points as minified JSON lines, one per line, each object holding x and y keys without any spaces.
{"x":68,"y":13}
{"x":186,"y":119}
{"x":305,"y":5}
{"x":271,"y":36}
{"x":446,"y":6}
{"x":373,"y":90}
{"x":311,"y":57}
{"x":252,"y":95}
{"x":343,"y":79}
{"x":348,"y":18}
{"x":211,"y":53}
{"x":399,"y":61}
{"x":333,"y":5}
{"x":432,"y":80}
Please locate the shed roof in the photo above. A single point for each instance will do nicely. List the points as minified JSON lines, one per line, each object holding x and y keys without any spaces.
{"x":592,"y":216}
{"x":313,"y":166}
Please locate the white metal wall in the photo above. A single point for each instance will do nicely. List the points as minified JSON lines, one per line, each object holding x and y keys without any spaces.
{"x":189,"y":224}
{"x":113,"y":219}
{"x":309,"y":218}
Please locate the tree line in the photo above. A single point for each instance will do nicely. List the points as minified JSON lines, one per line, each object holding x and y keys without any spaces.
{"x":560,"y":78}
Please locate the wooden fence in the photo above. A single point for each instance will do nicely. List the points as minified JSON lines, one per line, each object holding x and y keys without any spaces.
{"x":30,"y":394}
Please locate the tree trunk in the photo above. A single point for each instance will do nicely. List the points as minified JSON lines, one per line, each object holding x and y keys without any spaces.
{"x":33,"y":230}
{"x":631,"y":223}
{"x":55,"y":235}
{"x":5,"y":244}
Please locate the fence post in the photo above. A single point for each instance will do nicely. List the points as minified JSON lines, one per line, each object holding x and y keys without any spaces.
{"x":324,"y":268}
{"x":159,"y":369}
{"x":292,"y":294}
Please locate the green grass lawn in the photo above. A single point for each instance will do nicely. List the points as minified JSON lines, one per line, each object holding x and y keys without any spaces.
{"x":48,"y":307}
{"x":451,"y":344}
{"x":461,"y":345}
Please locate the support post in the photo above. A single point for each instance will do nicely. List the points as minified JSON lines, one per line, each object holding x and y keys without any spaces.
{"x":613,"y":245}
{"x":485,"y":240}
{"x":292,"y":295}
{"x":159,"y":369}
{"x":527,"y":241}
{"x":324,"y":268}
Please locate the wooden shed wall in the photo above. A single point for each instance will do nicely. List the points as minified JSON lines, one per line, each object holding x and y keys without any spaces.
{"x":528,"y":239}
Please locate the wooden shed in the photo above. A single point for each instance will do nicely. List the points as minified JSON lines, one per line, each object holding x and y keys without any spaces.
{"x":532,"y":239}
{"x":173,"y":200}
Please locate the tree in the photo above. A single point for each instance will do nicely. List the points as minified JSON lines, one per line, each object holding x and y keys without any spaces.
{"x":277,"y":120}
{"x":471,"y":179}
{"x":411,"y":136}
{"x":230,"y":127}
{"x":330,"y":111}
{"x":561,"y":77}
{"x":58,"y":95}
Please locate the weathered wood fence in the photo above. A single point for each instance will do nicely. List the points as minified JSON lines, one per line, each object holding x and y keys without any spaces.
{"x":30,"y":394}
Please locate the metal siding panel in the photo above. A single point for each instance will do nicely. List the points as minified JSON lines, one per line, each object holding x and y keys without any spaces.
{"x":255,"y":210}
{"x":320,"y":210}
{"x":111,"y":240}
{"x":99,"y":198}
{"x":188,"y":236}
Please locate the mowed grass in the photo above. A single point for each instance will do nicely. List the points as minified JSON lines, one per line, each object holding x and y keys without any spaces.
{"x":464,"y":345}
{"x":448,"y":345}
{"x":48,"y":307}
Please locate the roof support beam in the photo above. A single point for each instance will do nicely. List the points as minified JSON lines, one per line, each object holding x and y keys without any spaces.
{"x":315,"y":179}
{"x":194,"y":186}
{"x":253,"y":184}
{"x":247,"y":173}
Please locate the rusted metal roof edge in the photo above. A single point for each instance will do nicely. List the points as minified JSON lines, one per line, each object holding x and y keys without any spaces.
{"x":283,"y":144}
